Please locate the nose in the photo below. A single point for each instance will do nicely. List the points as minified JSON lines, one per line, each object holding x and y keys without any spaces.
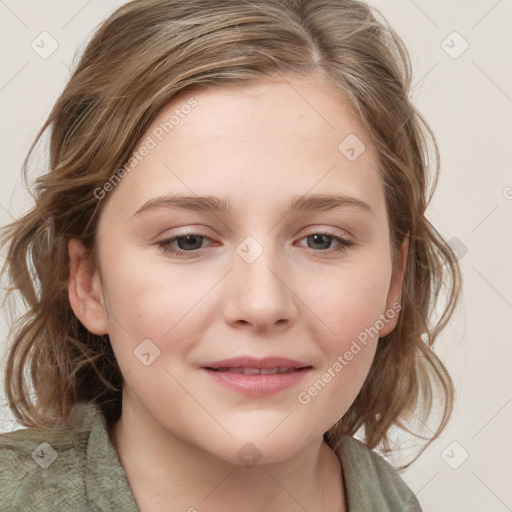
{"x":259,"y":294}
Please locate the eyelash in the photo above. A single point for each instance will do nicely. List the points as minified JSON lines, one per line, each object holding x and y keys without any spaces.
{"x":167,"y":247}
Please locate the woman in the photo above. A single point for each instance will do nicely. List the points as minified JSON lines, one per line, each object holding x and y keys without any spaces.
{"x":236,"y":371}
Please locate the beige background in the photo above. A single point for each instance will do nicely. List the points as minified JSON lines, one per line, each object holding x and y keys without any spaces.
{"x":467,"y":99}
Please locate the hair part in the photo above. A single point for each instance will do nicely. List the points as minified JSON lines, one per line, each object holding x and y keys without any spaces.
{"x":146,"y":54}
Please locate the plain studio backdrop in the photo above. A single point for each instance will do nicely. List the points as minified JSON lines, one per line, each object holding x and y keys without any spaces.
{"x":461,"y":53}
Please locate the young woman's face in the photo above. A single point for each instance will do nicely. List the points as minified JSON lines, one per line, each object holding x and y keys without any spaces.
{"x":261,"y":279}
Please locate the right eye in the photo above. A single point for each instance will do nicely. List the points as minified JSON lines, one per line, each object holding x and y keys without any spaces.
{"x":190,"y":243}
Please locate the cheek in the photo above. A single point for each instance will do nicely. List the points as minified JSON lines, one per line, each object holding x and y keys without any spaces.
{"x":350,"y":302}
{"x":350,"y":307}
{"x":146,"y":301}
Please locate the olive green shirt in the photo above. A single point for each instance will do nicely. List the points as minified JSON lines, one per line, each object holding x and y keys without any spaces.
{"x":76,"y":468}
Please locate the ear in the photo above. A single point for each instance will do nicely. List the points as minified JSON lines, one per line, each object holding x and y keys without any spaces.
{"x":394,"y":296}
{"x":84,"y":289}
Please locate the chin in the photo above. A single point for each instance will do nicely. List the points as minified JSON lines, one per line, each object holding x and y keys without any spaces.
{"x":255,"y":448}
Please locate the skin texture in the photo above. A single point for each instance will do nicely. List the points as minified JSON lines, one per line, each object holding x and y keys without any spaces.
{"x":180,"y":432}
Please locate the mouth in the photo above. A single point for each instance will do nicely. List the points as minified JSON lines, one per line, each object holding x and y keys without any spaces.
{"x":258,"y":371}
{"x":276,"y":364}
{"x":257,"y":377}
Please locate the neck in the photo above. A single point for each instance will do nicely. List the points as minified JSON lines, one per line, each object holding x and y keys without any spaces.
{"x":166,"y":473}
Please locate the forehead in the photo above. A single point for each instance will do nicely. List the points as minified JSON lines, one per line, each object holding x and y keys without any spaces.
{"x":285,"y":112}
{"x":263,"y":141}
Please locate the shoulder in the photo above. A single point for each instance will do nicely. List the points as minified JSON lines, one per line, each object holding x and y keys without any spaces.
{"x":42,"y":468}
{"x":371,"y":482}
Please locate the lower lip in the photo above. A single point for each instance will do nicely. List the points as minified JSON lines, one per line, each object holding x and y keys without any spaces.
{"x":257,"y":384}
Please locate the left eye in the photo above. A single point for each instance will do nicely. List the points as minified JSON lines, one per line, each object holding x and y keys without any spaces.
{"x":192,"y":242}
{"x":325,"y":238}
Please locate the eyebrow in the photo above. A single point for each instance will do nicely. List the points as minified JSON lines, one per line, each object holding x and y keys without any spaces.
{"x":214,"y":204}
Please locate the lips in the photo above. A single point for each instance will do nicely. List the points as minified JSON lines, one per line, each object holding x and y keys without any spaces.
{"x":254,"y":371}
{"x":266,"y":363}
{"x":253,"y":376}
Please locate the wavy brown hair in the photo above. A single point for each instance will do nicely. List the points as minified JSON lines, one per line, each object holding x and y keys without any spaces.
{"x":144,"y":55}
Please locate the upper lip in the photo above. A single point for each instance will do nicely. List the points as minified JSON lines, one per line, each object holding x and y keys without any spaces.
{"x":251,"y":362}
